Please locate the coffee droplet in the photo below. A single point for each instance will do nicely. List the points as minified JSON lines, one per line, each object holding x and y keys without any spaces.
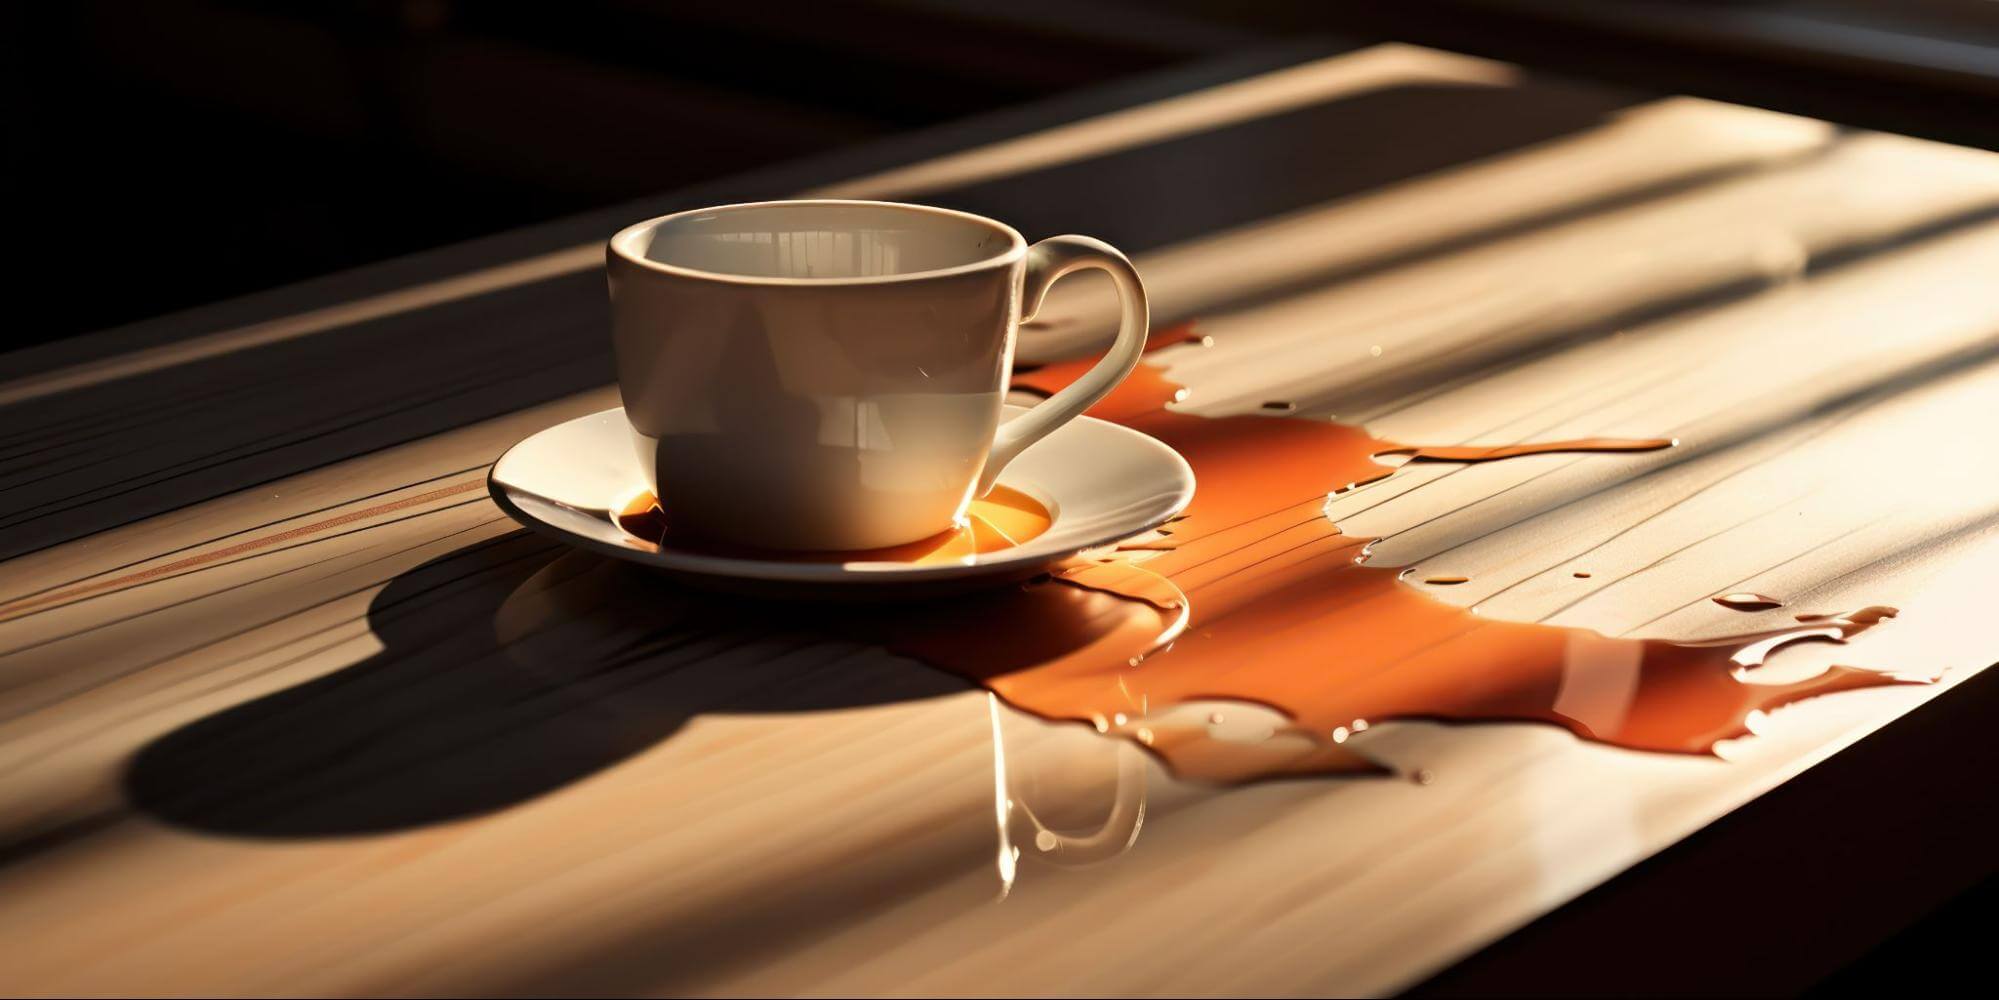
{"x":1747,"y":602}
{"x":1446,"y":581}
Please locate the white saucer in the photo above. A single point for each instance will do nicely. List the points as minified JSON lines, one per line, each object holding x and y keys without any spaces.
{"x":1103,"y":483}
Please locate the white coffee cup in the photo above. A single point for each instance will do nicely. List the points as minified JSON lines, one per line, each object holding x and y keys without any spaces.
{"x":829,"y":374}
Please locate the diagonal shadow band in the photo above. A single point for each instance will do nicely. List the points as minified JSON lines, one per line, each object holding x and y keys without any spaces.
{"x":109,"y":453}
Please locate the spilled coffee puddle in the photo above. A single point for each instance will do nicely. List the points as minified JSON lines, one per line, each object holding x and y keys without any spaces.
{"x":1254,"y":596}
{"x":1002,"y":519}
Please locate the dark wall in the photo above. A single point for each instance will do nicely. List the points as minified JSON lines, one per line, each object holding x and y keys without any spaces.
{"x":217,"y":148}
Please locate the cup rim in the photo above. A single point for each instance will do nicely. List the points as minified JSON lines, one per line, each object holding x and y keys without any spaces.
{"x":619,"y":247}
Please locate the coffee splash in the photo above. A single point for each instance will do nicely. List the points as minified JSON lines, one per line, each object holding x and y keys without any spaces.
{"x":1254,"y":596}
{"x":1002,"y":519}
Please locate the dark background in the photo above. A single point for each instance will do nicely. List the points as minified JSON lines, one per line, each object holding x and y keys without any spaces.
{"x":235,"y":146}
{"x":217,"y":148}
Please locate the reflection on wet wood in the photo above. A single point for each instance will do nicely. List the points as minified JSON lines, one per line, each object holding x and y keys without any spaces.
{"x":286,"y":705}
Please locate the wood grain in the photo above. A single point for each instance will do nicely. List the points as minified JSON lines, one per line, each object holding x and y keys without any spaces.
{"x":286,"y":706}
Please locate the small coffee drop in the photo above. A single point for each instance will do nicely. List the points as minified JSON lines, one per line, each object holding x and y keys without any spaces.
{"x":1747,"y":602}
{"x":1446,"y":581}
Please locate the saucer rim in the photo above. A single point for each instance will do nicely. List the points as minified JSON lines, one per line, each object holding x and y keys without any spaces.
{"x":1019,"y":561}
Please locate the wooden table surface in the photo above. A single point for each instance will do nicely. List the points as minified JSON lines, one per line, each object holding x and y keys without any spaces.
{"x":287,"y":706}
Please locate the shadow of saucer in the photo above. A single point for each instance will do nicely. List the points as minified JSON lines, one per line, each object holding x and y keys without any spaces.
{"x":507,"y":671}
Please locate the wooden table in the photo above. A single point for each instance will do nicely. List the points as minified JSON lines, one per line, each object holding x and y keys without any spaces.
{"x":289,"y":707}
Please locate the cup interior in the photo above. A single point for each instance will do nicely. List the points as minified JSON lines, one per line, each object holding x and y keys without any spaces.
{"x":819,"y":241}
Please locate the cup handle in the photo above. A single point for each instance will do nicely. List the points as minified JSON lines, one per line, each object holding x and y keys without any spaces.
{"x":1048,"y":262}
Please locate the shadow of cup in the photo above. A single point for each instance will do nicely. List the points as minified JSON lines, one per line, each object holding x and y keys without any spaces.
{"x":507,"y":671}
